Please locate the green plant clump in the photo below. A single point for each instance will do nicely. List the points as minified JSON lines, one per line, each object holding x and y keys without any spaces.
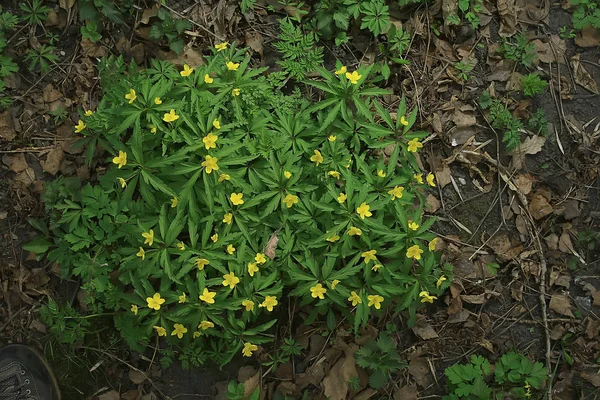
{"x":299,"y":52}
{"x":212,"y":206}
{"x":381,"y":359}
{"x":7,"y":65}
{"x":586,"y":13}
{"x":533,"y":84}
{"x":170,"y":29}
{"x":520,"y":51}
{"x":515,"y":377}
{"x":501,"y":118}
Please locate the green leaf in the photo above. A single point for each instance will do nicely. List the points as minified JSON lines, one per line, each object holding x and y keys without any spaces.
{"x":39,"y":245}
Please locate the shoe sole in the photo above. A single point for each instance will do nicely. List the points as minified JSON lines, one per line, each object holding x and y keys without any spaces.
{"x":41,"y":357}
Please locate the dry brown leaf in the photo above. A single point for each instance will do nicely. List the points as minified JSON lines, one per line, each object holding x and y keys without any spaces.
{"x":424,"y":330}
{"x":588,"y":37}
{"x":16,"y":162}
{"x":112,"y":395}
{"x":7,"y":132}
{"x":432,"y":204}
{"x":552,"y":241}
{"x":335,"y":383}
{"x":409,"y":392}
{"x":53,"y":161}
{"x":136,"y":377}
{"x":442,"y":177}
{"x":594,"y":378}
{"x":149,"y":13}
{"x":539,"y":207}
{"x":255,"y":41}
{"x":419,"y":369}
{"x":272,"y":245}
{"x":500,"y":243}
{"x":508,"y":17}
{"x":521,"y":225}
{"x":313,"y":376}
{"x":561,"y":304}
{"x":582,"y":77}
{"x":564,"y":243}
{"x":133,"y":394}
{"x":524,"y":182}
{"x":551,"y":51}
{"x":66,"y":4}
{"x":473,"y":298}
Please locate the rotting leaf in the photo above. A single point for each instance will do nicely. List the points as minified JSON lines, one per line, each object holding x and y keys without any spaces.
{"x":409,"y":392}
{"x":581,"y":76}
{"x":136,"y":376}
{"x":508,"y":17}
{"x":588,"y":37}
{"x":561,"y":304}
{"x":53,"y":161}
{"x":539,"y":207}
{"x":335,"y":383}
{"x":418,"y":368}
{"x":15,"y":162}
{"x":272,"y":245}
{"x":424,"y":330}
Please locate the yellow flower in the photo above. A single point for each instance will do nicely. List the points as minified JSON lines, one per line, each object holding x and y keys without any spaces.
{"x":317,"y":158}
{"x":182,"y":298}
{"x":433,"y":244}
{"x":403,"y":120}
{"x":418,"y":178}
{"x":227,"y":218}
{"x":170,"y":116}
{"x":335,"y":174}
{"x":376,"y":267}
{"x":396,"y":192}
{"x":332,"y":138}
{"x":260,"y":258}
{"x":149,"y":236}
{"x":363,"y":210}
{"x":426,"y":297}
{"x":210,"y":141}
{"x":160,"y":330}
{"x":204,"y":325}
{"x":287,"y":174}
{"x":333,"y":238}
{"x":179,"y":331}
{"x":214,"y":237}
{"x":290,"y":200}
{"x":230,"y":249}
{"x":134,"y":309}
{"x":354,"y":231}
{"x":235,"y":92}
{"x":141,"y":253}
{"x":201,"y":263}
{"x":249,"y":304}
{"x":237,"y":199}
{"x":174,"y":202}
{"x":334,"y":283}
{"x":230,"y":280}
{"x":208,"y":296}
{"x":89,"y":113}
{"x":440,"y":281}
{"x":221,"y":46}
{"x":269,"y":303}
{"x":208,"y":79}
{"x":123,"y":183}
{"x":430,"y":179}
{"x":80,"y":126}
{"x":210,"y":164}
{"x":248,"y":349}
{"x":353,"y":77}
{"x":157,"y":101}
{"x":369,"y":256}
{"x":187,"y":70}
{"x":196,"y":334}
{"x":375,"y":300}
{"x":155,"y":301}
{"x":413,"y":225}
{"x":216,"y":124}
{"x":121,"y":159}
{"x":355,"y":299}
{"x":181,"y":246}
{"x":318,"y":291}
{"x":341,"y":71}
{"x":224,"y":177}
{"x":381,"y":173}
{"x":414,"y":252}
{"x":152,"y":129}
{"x":252,"y":269}
{"x":131,"y":96}
{"x":342,"y":198}
{"x":414,"y":145}
{"x":232,"y":66}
